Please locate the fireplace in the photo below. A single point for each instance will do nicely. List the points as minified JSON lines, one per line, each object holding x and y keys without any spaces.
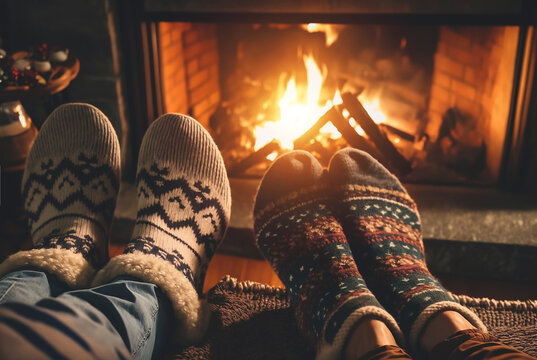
{"x":468,"y":93}
{"x":448,"y":86}
{"x":445,"y":87}
{"x":439,"y":96}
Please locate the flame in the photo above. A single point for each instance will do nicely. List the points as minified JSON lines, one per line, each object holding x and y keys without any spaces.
{"x":272,"y":156}
{"x":331,"y":32}
{"x":297,"y":115}
{"x":373,"y":109}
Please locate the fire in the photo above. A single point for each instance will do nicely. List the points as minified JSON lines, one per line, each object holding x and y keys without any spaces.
{"x":373,"y":109}
{"x":330,"y":31}
{"x":297,"y":115}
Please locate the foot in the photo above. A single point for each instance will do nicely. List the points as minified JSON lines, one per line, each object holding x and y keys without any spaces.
{"x":69,"y":188}
{"x":184,"y":204}
{"x":298,"y":234}
{"x":383,"y":228}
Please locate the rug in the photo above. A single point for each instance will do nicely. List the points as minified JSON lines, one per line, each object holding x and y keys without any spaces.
{"x":254,"y":321}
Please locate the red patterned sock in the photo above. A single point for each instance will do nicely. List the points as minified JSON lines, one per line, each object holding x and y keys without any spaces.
{"x":382,"y":224}
{"x":305,"y":244}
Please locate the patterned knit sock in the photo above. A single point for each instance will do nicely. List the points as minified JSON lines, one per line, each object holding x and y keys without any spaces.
{"x":184,"y":204}
{"x":304,"y":243}
{"x":69,"y":189}
{"x":382,"y":224}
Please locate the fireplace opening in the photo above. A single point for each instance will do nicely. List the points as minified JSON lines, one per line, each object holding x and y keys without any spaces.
{"x":436,"y":98}
{"x":448,"y":92}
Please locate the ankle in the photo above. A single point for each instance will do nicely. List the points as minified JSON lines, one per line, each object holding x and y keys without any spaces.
{"x":442,"y":326}
{"x":369,"y":334}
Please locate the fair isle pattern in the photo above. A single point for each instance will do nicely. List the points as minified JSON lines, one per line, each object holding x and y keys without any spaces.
{"x":147,"y":245}
{"x":308,"y":250}
{"x":184,"y":214}
{"x":70,"y":240}
{"x":68,"y":190}
{"x":384,"y":233}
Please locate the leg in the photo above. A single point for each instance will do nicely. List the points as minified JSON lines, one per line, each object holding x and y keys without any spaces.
{"x":383,"y":227}
{"x":297,"y":233}
{"x":123,"y":319}
{"x":29,"y":286}
{"x":183,"y":208}
{"x":449,"y":336}
{"x":372,"y":340}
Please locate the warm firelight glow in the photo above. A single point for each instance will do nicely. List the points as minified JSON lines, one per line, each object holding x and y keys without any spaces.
{"x":297,"y":115}
{"x":331,"y":32}
{"x":373,"y":109}
{"x":272,"y":156}
{"x":22,"y":119}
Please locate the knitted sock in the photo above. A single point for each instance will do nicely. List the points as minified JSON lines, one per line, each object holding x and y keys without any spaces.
{"x":299,"y":236}
{"x":69,"y":188}
{"x":184,"y":203}
{"x":382,"y":224}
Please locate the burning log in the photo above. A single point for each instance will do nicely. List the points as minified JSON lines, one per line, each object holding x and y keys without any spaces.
{"x":357,"y":111}
{"x":398,"y":132}
{"x":253,"y":159}
{"x":305,"y":139}
{"x":349,"y":133}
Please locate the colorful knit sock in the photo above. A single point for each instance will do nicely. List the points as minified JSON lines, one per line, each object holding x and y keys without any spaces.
{"x":299,"y":236}
{"x":184,"y":202}
{"x":382,"y":224}
{"x":69,"y":189}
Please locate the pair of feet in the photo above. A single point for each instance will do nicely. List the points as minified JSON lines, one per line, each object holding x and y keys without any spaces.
{"x":70,"y":186}
{"x":347,"y":245}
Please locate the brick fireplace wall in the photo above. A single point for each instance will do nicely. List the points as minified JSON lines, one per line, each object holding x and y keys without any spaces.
{"x":189,"y":63}
{"x":473,"y":71}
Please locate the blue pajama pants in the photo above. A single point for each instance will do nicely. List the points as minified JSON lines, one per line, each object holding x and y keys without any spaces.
{"x":41,"y":319}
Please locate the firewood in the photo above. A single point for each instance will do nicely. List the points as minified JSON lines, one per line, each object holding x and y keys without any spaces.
{"x":253,"y":159}
{"x":402,"y":134}
{"x":398,"y":163}
{"x":349,"y":133}
{"x":306,"y":138}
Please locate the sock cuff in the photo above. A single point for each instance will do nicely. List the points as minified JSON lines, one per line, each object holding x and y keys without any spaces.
{"x":191,"y":313}
{"x":69,"y":267}
{"x":334,"y":350}
{"x":430,"y":311}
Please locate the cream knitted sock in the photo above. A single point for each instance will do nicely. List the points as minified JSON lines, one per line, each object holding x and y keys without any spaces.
{"x":184,"y":204}
{"x":69,"y":188}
